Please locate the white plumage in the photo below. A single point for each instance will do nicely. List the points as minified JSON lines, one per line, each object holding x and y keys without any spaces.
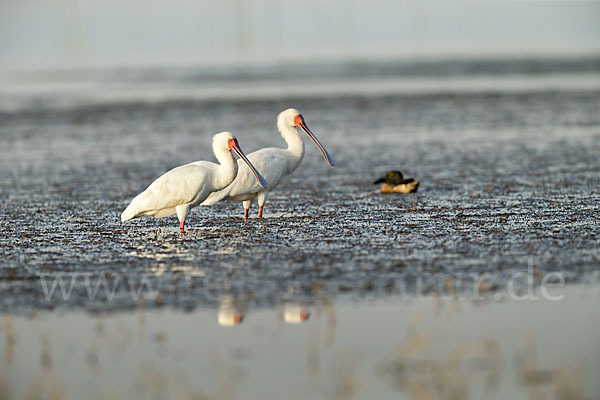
{"x":274,"y":163}
{"x":182,"y":188}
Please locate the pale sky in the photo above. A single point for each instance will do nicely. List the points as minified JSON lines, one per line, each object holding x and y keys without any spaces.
{"x":37,"y":34}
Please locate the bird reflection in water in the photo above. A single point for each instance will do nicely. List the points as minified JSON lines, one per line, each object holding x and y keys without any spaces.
{"x":231,"y":311}
{"x":295,"y":313}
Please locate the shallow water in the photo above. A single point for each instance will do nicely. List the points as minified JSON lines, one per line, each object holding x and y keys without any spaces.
{"x":407,"y":348}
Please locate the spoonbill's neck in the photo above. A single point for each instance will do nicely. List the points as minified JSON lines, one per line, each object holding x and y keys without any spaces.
{"x":294,"y":142}
{"x":227,"y":169}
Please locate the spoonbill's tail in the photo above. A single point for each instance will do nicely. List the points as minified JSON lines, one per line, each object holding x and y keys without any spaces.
{"x":139,"y":206}
{"x":129,"y":213}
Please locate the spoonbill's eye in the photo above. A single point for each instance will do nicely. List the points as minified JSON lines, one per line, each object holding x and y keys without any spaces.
{"x":298,"y":120}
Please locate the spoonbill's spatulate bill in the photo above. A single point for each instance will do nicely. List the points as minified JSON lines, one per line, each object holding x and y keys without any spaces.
{"x":182,"y":188}
{"x":273,"y":162}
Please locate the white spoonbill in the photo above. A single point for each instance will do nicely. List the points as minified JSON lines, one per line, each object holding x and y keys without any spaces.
{"x":274,"y":163}
{"x":184,"y":187}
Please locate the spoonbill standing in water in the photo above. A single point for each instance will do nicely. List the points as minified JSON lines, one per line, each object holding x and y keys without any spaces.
{"x":184,"y":187}
{"x":275,"y":164}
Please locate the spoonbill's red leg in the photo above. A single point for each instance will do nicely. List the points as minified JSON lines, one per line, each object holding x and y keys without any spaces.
{"x":247,"y":204}
{"x":182,"y":213}
{"x":262,"y":197}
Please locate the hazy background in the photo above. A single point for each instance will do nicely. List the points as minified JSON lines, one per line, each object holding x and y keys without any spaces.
{"x":114,"y":33}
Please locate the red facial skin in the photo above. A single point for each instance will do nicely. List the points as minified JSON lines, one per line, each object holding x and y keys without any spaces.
{"x":232,"y":143}
{"x":298,"y":120}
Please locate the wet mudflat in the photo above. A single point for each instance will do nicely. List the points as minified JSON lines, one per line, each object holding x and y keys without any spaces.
{"x":340,"y":291}
{"x":508,"y":182}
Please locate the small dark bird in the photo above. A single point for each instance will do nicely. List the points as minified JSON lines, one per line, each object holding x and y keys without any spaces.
{"x":394,"y":182}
